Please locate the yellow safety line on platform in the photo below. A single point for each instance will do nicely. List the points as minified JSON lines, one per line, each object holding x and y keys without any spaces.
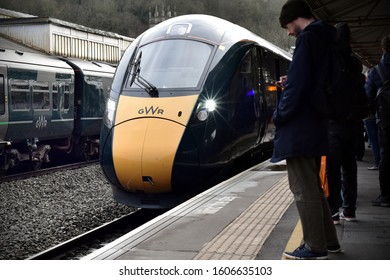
{"x":295,"y":239}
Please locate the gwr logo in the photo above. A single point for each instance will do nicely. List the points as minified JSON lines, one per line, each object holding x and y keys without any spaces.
{"x":151,"y":110}
{"x":41,"y":122}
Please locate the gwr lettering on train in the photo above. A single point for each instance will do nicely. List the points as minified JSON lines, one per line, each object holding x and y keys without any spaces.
{"x":151,"y":111}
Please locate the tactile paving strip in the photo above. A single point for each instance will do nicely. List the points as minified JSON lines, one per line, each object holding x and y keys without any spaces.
{"x":243,"y":238}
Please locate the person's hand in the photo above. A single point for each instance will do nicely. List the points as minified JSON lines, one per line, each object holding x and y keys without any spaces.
{"x":283,"y":80}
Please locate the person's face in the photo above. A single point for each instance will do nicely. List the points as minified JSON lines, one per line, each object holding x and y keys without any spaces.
{"x":293,"y":29}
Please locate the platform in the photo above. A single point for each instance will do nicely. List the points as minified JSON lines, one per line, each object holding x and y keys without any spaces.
{"x":251,"y":216}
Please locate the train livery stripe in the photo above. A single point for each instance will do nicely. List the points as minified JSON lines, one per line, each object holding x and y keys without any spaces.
{"x":20,"y":122}
{"x":91,"y":119}
{"x":145,"y":144}
{"x":62,"y":120}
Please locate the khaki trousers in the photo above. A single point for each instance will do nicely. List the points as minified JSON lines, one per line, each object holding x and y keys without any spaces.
{"x":317,"y":224}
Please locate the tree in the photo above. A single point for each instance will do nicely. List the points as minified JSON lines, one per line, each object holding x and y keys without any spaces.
{"x":131,"y":17}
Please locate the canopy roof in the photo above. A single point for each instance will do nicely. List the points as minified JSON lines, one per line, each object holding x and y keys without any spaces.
{"x":369,"y":21}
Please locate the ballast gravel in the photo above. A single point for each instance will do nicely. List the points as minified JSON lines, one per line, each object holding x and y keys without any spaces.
{"x":40,"y":212}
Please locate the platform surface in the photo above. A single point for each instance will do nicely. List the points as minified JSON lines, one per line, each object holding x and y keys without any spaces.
{"x":252,"y":216}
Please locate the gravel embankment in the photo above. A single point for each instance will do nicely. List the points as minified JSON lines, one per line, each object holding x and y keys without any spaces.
{"x":38,"y":213}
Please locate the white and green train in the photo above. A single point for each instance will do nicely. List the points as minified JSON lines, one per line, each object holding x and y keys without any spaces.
{"x":50,"y":105}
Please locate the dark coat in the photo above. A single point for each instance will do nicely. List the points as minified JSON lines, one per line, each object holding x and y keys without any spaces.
{"x":301,"y":127}
{"x":374,"y":81}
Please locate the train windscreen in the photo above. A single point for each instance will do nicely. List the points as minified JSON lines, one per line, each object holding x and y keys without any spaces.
{"x":170,"y":64}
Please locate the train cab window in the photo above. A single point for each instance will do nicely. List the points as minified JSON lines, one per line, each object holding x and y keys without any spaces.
{"x":41,"y":96}
{"x":2,"y":96}
{"x":172,"y":63}
{"x":20,"y":95}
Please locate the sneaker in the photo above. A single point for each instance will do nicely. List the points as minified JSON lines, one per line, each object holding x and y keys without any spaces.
{"x":381,"y":201}
{"x":336,"y":218}
{"x":385,"y":202}
{"x":334,"y":249}
{"x":348,"y":217}
{"x":373,"y":167}
{"x":303,"y":253}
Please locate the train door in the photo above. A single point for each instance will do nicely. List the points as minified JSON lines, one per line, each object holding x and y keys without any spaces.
{"x":3,"y":105}
{"x":62,"y":107}
{"x":270,"y":91}
{"x":41,"y":107}
{"x":261,"y":109}
{"x":247,"y":107}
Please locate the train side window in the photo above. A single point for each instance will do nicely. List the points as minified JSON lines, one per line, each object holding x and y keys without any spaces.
{"x":20,"y":95}
{"x":41,"y":96}
{"x":246,"y":65}
{"x":2,"y":97}
{"x":55,"y":96}
{"x":95,"y":95}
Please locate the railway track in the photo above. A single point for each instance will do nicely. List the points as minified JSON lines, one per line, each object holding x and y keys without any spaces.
{"x":27,"y":174}
{"x":84,"y":244}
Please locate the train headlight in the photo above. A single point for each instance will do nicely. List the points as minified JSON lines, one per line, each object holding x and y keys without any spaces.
{"x":209,"y":106}
{"x":203,"y":115}
{"x":110,"y":112}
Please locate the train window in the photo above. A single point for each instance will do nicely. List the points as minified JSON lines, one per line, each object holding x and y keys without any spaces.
{"x":96,"y":92}
{"x":246,"y":65}
{"x":2,"y":96}
{"x":269,"y":67}
{"x":173,"y":63}
{"x":20,"y":94}
{"x":55,"y":96}
{"x":41,"y":96}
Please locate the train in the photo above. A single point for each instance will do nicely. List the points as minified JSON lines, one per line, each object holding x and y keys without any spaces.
{"x":191,"y":97}
{"x":50,"y":106}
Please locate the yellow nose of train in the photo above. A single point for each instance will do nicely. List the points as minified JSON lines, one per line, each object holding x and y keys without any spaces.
{"x":147,"y":134}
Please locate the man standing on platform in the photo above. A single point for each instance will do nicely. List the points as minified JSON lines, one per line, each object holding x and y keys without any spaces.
{"x":301,"y":129}
{"x":373,"y":83}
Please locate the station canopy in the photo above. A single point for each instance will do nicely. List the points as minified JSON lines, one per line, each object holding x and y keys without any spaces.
{"x":369,"y":21}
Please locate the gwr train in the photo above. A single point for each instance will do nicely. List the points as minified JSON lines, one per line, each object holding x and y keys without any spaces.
{"x":48,"y":105}
{"x":189,"y":97}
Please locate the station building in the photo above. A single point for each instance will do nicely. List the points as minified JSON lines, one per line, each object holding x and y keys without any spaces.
{"x":61,"y":38}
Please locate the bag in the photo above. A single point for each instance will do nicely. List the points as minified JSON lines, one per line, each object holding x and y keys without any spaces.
{"x":324,"y":181}
{"x":345,"y":94}
{"x":383,"y":99}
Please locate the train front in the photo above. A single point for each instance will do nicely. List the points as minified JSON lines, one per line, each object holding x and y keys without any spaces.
{"x":148,"y":154}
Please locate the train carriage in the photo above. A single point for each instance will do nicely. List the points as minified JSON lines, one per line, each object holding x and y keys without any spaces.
{"x":36,"y":106}
{"x":190,"y":96}
{"x":50,"y":104}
